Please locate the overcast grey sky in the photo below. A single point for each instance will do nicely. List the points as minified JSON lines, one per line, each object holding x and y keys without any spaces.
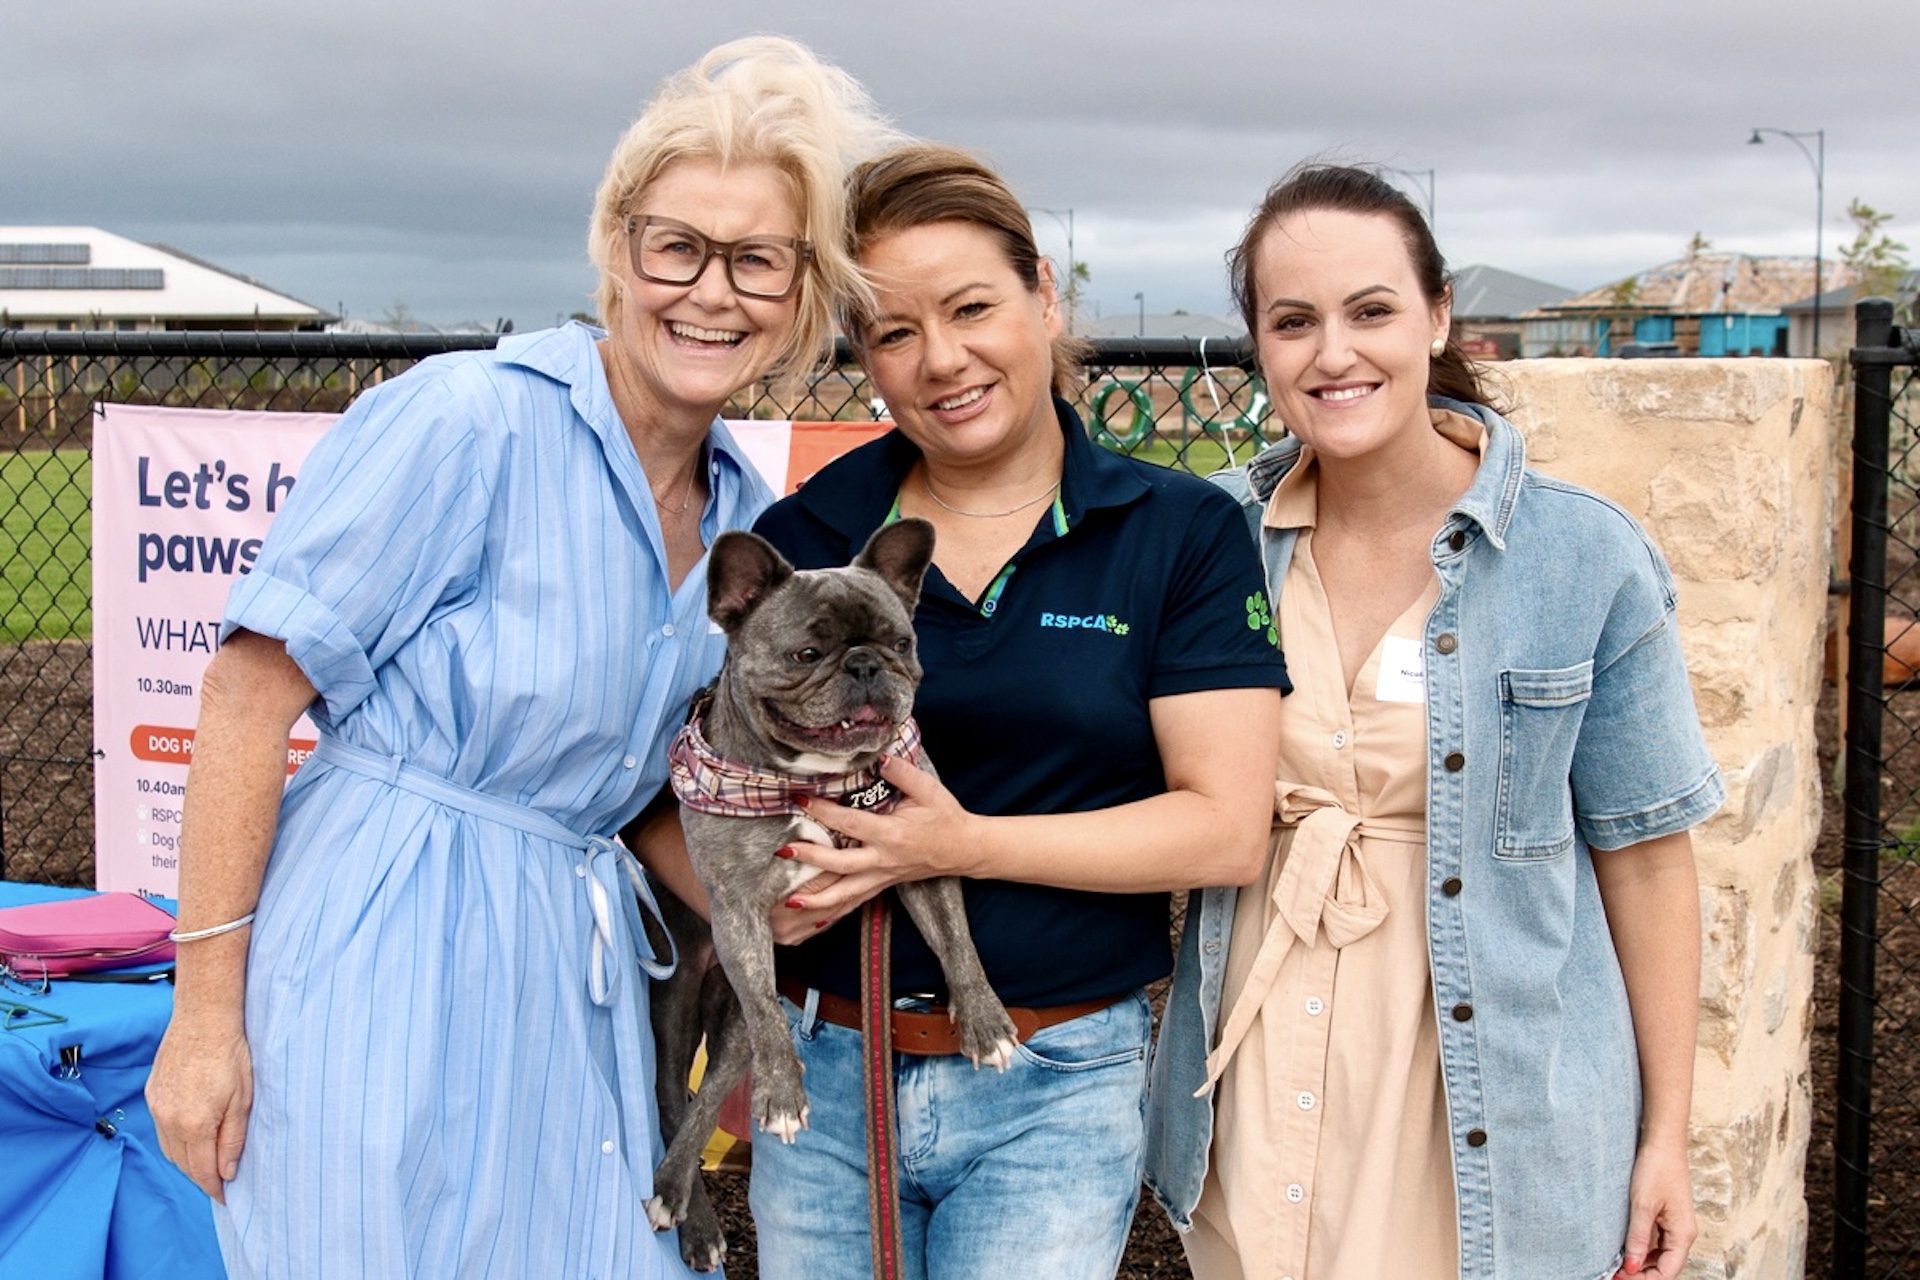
{"x":443,"y":155}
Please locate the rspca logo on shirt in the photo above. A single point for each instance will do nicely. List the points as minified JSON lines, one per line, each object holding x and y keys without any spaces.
{"x":1085,"y":622}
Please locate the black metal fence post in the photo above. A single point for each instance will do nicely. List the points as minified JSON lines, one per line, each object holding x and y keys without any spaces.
{"x":1859,"y":903}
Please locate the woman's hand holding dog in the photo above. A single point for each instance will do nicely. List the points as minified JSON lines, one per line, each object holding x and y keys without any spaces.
{"x":917,"y":841}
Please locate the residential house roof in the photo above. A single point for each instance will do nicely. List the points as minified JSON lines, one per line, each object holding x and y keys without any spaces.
{"x":85,"y":273}
{"x":1842,"y":299}
{"x":1481,"y":292}
{"x":1179,"y":324}
{"x":1708,"y":283}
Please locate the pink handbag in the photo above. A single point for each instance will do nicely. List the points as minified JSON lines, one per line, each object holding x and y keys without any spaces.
{"x":79,"y":935}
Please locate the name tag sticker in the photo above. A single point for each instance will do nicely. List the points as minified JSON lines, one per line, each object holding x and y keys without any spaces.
{"x":1403,"y":671}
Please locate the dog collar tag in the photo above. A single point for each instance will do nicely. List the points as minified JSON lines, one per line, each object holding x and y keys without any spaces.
{"x":877,"y":798}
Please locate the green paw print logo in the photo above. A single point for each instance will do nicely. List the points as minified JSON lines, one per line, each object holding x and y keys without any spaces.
{"x":1116,"y":626}
{"x":1260,"y":616}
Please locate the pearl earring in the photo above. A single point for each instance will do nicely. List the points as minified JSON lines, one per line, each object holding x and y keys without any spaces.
{"x":1439,"y":346}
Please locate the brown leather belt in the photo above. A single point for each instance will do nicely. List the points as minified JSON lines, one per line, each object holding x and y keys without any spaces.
{"x":931,"y":1033}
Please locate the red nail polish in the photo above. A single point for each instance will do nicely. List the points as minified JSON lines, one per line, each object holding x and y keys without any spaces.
{"x":795,"y":904}
{"x":784,"y":851}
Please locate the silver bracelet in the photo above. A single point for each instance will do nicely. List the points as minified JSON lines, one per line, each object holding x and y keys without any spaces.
{"x":211,"y":931}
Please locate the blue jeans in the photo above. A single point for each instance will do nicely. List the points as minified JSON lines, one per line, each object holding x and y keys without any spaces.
{"x":1032,"y":1172}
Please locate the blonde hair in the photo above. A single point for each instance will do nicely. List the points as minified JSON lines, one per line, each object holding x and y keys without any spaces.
{"x":925,"y":182}
{"x":764,"y":99}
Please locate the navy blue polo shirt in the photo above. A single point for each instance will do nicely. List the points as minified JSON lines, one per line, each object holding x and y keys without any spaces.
{"x":1138,"y":583}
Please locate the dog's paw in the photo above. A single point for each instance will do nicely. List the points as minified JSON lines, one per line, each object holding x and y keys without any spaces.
{"x":987,"y":1035}
{"x":780,"y":1104}
{"x":659,"y":1216}
{"x":999,"y":1057}
{"x":704,"y":1255}
{"x":785,"y":1125}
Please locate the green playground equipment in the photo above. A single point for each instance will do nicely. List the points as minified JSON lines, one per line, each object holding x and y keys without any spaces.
{"x":1139,"y":430}
{"x":1218,"y":419}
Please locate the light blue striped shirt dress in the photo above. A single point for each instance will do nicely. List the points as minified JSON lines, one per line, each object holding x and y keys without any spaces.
{"x":446,"y":996}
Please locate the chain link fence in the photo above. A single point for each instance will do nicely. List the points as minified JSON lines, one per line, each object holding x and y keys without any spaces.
{"x":1192,"y":404}
{"x":1876,"y":1189}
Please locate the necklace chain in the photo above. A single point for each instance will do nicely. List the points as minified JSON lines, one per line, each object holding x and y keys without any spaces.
{"x":686,"y":495}
{"x":944,"y":505}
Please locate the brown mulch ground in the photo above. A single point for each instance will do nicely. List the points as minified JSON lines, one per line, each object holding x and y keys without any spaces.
{"x":45,"y":736}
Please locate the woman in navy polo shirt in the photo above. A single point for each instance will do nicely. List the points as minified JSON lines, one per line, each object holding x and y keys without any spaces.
{"x":1101,"y":702}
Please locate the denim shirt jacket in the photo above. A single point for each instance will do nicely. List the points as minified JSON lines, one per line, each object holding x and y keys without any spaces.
{"x":1560,"y":724}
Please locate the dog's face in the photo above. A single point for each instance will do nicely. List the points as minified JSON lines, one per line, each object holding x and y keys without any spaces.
{"x":820,"y":663}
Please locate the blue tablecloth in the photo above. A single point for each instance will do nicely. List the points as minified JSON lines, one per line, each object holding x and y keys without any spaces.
{"x":84,"y":1190}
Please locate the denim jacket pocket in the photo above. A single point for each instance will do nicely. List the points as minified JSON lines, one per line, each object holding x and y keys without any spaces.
{"x":1540,"y":715}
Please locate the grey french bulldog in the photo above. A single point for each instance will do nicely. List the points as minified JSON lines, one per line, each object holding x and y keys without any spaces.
{"x":818,"y":680}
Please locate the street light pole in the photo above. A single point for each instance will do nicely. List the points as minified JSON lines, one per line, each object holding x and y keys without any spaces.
{"x":1426,"y":179}
{"x":1818,"y":159}
{"x":1072,"y":282}
{"x":1141,"y":298}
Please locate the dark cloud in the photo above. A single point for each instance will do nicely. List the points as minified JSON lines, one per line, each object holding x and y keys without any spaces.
{"x":444,"y":154}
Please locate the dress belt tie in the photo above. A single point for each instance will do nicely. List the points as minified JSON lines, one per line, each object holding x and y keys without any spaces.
{"x":1324,"y":886}
{"x":601,"y":874}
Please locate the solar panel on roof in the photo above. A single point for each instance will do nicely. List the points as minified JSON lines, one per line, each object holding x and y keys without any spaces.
{"x":78,"y":255}
{"x":82,"y":278}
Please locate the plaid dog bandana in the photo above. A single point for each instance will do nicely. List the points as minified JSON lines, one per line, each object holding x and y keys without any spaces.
{"x":704,"y":780}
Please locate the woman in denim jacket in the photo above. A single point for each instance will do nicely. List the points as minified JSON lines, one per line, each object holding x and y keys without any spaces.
{"x":1454,"y":1031}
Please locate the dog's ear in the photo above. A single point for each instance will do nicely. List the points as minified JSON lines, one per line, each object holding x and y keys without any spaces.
{"x":742,"y":569}
{"x":900,"y":553}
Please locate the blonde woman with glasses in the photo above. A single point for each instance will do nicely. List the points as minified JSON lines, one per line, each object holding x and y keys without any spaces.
{"x":411,"y":1034}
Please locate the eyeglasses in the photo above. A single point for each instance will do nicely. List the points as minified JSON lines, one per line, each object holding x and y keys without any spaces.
{"x":669,"y":252}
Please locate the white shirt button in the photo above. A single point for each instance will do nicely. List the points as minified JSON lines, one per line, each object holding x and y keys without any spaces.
{"x":607,"y":1147}
{"x":667,"y":629}
{"x":630,"y":761}
{"x":1305,"y":1100}
{"x":581,"y":871}
{"x":1295,"y":1193}
{"x":1339,"y":738}
{"x":1316,"y":1006}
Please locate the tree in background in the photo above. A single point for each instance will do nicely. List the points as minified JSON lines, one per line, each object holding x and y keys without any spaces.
{"x":1078,"y":278}
{"x":1877,"y":260}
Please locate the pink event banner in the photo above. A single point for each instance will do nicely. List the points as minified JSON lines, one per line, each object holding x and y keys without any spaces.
{"x":181,"y":500}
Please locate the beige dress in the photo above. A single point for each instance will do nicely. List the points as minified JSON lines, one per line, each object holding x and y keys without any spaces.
{"x":1330,"y":1153}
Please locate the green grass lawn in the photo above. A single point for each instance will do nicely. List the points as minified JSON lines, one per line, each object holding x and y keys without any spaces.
{"x":46,"y":532}
{"x":1202,"y":455}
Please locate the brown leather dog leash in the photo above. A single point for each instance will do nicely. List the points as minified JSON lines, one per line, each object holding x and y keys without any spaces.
{"x":876,"y":1039}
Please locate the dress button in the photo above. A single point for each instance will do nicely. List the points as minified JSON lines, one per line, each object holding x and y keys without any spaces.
{"x":629,"y":762}
{"x":607,"y":1147}
{"x":1455,"y":762}
{"x":1451,"y":886}
{"x":1295,"y":1193}
{"x":1462,"y":1012}
{"x":1339,"y":738}
{"x":1476,"y":1137}
{"x":1446,"y":642}
{"x":1315,"y":1006}
{"x":581,"y":871}
{"x":667,"y":629}
{"x":1305,"y":1100}
{"x":1458,"y":540}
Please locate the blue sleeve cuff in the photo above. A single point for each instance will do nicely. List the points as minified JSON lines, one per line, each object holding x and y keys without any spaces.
{"x":315,"y":637}
{"x":1692,"y":807}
